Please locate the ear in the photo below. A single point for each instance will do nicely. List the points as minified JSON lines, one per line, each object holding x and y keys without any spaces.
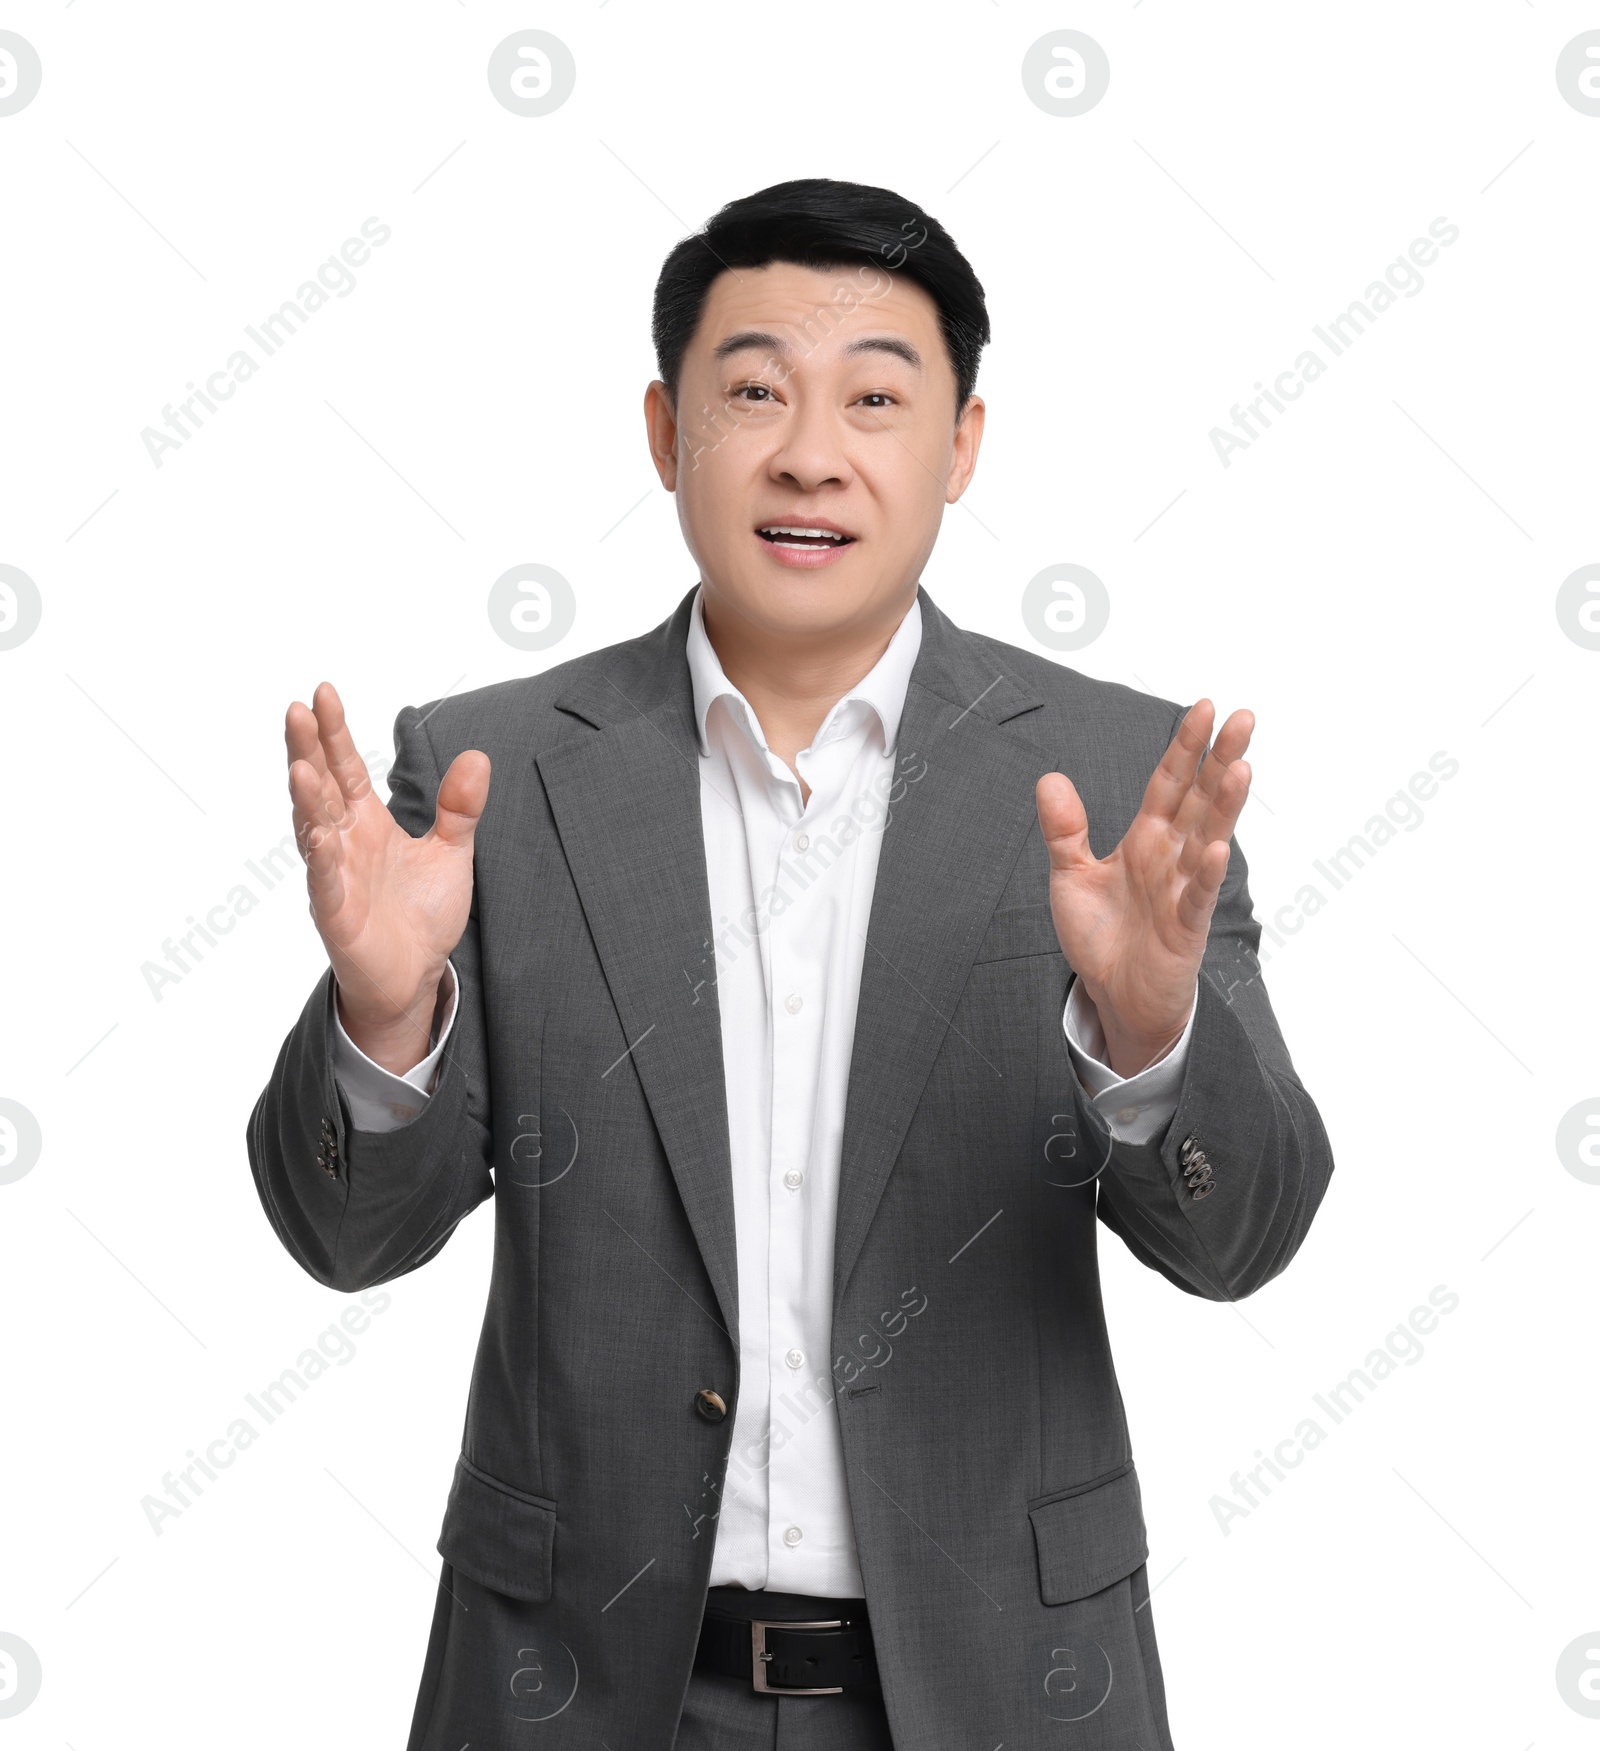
{"x":964,"y":450}
{"x":661,"y":432}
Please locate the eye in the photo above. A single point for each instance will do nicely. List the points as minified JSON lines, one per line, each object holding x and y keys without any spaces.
{"x":758,"y":391}
{"x":880,"y":397}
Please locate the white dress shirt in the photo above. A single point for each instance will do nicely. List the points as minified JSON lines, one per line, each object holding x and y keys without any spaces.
{"x":791,"y":887}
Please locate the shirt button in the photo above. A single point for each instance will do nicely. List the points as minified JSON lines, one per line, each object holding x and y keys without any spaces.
{"x":792,"y":1003}
{"x":796,"y":1359}
{"x":1126,"y":1115}
{"x":802,"y":841}
{"x":794,"y":1179}
{"x":792,"y":1536}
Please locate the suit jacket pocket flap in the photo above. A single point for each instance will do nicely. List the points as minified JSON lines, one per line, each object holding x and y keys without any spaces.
{"x":498,"y":1535}
{"x":1089,"y":1537}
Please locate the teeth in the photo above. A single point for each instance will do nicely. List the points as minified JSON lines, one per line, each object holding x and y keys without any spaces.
{"x":791,"y":529}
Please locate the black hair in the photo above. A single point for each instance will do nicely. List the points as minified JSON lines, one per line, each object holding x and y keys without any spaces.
{"x":819,"y":223}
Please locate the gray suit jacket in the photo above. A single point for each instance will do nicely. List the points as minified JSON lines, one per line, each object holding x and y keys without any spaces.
{"x":991,"y":1476}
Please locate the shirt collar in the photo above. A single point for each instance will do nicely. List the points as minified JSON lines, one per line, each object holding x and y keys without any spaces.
{"x":883,"y":687}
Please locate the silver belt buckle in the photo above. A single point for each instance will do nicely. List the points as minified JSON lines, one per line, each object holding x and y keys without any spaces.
{"x":759,"y":1658}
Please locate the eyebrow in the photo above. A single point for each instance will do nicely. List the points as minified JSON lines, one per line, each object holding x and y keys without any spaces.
{"x":748,"y":338}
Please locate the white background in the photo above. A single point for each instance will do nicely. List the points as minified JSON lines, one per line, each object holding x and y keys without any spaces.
{"x":1375,"y":577}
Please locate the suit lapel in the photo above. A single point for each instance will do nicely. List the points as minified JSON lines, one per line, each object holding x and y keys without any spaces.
{"x":950,"y":844}
{"x":626,"y":803}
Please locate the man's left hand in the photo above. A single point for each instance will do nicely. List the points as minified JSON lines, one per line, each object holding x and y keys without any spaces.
{"x":1134,"y":924}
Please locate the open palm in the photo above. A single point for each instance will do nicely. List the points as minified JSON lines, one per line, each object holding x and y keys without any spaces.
{"x":389,"y":908}
{"x":1134,"y":923}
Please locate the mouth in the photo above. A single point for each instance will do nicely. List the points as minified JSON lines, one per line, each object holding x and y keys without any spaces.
{"x":805,"y":545}
{"x":804,"y":537}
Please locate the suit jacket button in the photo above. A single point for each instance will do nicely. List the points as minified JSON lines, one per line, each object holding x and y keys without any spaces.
{"x":710,"y":1405}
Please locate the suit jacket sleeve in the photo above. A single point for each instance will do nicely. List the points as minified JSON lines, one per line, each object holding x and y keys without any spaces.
{"x":1245,"y":1110}
{"x":359,"y":1207}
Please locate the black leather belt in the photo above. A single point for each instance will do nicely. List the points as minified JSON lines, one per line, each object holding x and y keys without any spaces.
{"x":805,"y":1647}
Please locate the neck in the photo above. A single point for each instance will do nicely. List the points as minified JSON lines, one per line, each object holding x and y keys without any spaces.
{"x":794,"y":680}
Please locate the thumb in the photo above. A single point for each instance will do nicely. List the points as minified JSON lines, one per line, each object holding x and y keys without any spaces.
{"x":463,"y":791}
{"x":1063,"y":822}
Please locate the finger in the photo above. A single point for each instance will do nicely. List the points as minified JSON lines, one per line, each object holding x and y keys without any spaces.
{"x":1199,"y":897}
{"x":324,"y":873}
{"x":1229,"y":745}
{"x":316,"y":834}
{"x":1063,"y":821}
{"x":338,"y":746}
{"x":319,"y":841}
{"x":304,"y":743}
{"x":1170,"y":782}
{"x":1234,"y":737}
{"x":1220,"y":818}
{"x":463,"y":792}
{"x":300,"y":736}
{"x":1219,"y":802}
{"x":1231,"y":741}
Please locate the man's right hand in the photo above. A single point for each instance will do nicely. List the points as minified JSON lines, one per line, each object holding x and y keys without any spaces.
{"x":389,"y":908}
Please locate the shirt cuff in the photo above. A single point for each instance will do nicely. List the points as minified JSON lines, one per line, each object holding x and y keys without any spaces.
{"x":1138,"y":1108}
{"x":378,"y":1099}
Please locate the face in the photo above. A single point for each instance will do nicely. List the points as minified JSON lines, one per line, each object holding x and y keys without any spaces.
{"x":813,"y":448}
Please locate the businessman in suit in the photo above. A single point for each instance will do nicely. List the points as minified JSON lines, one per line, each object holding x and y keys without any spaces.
{"x":809,"y":979}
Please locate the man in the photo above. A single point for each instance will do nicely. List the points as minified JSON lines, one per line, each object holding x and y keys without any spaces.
{"x":808,"y":980}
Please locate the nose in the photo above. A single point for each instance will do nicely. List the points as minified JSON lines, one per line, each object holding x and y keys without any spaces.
{"x":811,"y":451}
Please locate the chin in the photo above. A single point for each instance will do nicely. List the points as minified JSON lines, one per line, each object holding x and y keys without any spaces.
{"x":805,"y":602}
